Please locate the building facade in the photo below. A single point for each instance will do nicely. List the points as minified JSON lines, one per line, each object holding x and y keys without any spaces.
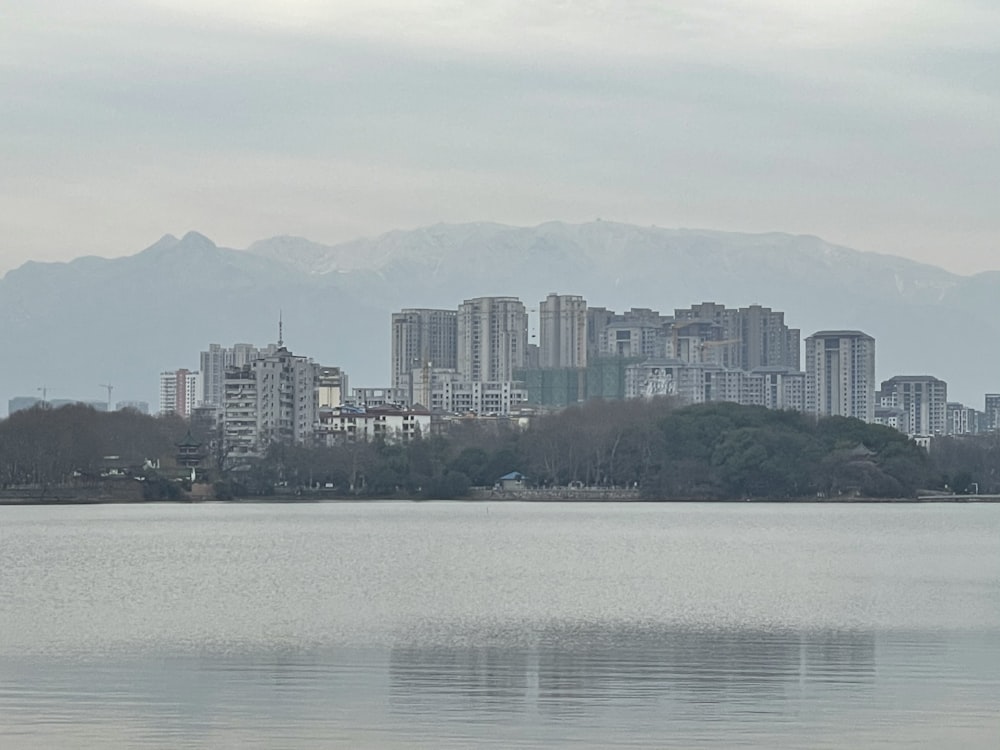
{"x":755,"y":336}
{"x":353,"y":424}
{"x":331,"y":387}
{"x":492,"y":338}
{"x":991,"y":411}
{"x":369,"y":397}
{"x":562,"y":332}
{"x":180,"y":391}
{"x":700,"y":382}
{"x":636,"y":333}
{"x":775,"y":388}
{"x":840,"y":374}
{"x":964,"y":420}
{"x":422,"y":338}
{"x":273,"y":399}
{"x":446,"y":391}
{"x":217,"y":359}
{"x":922,"y":397}
{"x":894,"y":417}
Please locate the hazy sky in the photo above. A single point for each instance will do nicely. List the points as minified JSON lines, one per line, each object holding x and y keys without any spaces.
{"x":872,"y":124}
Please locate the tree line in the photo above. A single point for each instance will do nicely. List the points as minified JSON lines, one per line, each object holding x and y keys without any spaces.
{"x":717,"y":451}
{"x":42,"y":446}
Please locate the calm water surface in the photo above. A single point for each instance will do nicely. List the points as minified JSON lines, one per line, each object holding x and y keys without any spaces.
{"x":448,"y":625}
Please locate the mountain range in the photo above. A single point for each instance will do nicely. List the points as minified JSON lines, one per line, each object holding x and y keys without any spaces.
{"x":68,"y":327}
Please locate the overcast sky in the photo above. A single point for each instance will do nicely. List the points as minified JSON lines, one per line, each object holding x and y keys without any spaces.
{"x":871,"y":124}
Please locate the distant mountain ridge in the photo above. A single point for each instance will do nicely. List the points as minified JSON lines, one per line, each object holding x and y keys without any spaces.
{"x":124,"y":320}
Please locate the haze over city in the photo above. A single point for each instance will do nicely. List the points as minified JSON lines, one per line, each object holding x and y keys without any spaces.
{"x":507,"y":373}
{"x":871,"y":125}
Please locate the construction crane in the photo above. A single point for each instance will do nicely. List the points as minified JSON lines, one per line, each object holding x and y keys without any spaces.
{"x":44,"y":390}
{"x":109,"y":388}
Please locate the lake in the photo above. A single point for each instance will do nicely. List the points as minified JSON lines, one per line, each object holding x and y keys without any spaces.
{"x":506,"y":625}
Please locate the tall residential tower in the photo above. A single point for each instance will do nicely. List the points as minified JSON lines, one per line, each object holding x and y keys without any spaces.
{"x":840,"y":374}
{"x":492,"y":338}
{"x":563,"y":329}
{"x":179,"y":392}
{"x":422,"y":338}
{"x":273,"y":399}
{"x":922,"y":397}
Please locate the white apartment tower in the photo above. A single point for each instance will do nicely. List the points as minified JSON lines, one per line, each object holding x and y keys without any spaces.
{"x":840,"y":374}
{"x":563,"y":331}
{"x":272,"y":399}
{"x":422,"y":338}
{"x":922,"y":397}
{"x":492,"y":338}
{"x":179,"y":392}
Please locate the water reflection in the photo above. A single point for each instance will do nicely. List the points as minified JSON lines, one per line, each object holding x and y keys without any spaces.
{"x":534,"y":685}
{"x":568,"y":667}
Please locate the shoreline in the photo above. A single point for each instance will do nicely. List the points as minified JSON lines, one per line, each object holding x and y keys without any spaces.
{"x":509,"y":498}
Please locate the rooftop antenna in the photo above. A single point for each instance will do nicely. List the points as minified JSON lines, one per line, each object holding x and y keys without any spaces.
{"x":109,"y":388}
{"x":281,"y":343}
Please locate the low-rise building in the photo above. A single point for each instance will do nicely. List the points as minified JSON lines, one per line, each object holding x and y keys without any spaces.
{"x":894,"y":417}
{"x":353,"y":424}
{"x":372,"y":397}
{"x":447,"y":391}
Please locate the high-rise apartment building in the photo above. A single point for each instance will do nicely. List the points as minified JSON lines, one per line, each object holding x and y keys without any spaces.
{"x":992,"y":412}
{"x":775,"y":388}
{"x":422,"y":338}
{"x":179,"y":392}
{"x":492,"y":338}
{"x":696,"y":383}
{"x":598,"y":319}
{"x":331,"y":387}
{"x":217,"y":359}
{"x":840,"y":374}
{"x":748,"y":337}
{"x":639,"y":332}
{"x":563,"y":331}
{"x":964,"y":420}
{"x":214,"y":362}
{"x":272,"y":399}
{"x":922,"y":397}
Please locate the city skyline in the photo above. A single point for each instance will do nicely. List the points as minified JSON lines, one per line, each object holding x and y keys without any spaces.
{"x":706,"y":352}
{"x":766,"y":325}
